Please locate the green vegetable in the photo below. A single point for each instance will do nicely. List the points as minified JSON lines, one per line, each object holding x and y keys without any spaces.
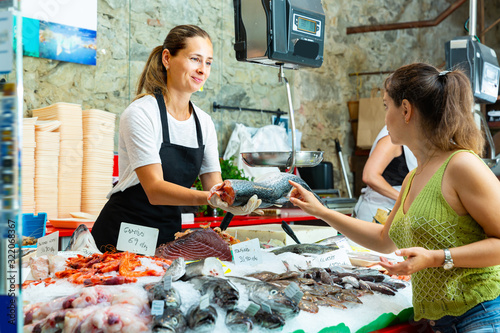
{"x":228,"y":171}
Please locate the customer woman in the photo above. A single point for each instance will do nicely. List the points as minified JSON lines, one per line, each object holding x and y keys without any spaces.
{"x":165,"y":143}
{"x":445,"y":222}
{"x":384,"y":172}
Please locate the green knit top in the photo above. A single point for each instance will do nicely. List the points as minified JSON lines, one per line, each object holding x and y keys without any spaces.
{"x":431,"y":223}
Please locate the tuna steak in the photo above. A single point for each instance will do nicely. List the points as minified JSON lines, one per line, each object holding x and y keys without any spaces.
{"x":272,"y":190}
{"x":199,"y":244}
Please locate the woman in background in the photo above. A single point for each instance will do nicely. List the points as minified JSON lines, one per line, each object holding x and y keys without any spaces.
{"x":165,"y":143}
{"x":445,"y":222}
{"x":384,"y":172}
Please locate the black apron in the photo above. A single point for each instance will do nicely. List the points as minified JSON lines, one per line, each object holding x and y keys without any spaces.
{"x":181,"y":165}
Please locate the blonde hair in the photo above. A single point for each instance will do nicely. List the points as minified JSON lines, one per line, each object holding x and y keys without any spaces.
{"x":153,"y":78}
{"x":444,"y":100}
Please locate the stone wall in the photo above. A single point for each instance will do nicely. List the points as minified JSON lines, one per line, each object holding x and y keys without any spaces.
{"x":128,"y":31}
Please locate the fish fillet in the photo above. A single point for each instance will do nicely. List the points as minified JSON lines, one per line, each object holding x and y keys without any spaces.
{"x":199,"y":244}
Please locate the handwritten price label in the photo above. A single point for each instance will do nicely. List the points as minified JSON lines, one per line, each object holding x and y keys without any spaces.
{"x":337,"y":257}
{"x":247,"y":253}
{"x":137,"y":239}
{"x":48,"y":244}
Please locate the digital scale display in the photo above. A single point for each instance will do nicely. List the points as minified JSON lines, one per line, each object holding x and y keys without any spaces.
{"x":306,"y":25}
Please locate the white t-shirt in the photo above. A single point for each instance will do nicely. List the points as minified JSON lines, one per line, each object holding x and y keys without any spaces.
{"x":141,"y":136}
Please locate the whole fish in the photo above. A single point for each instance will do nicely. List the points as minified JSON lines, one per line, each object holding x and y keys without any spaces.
{"x":268,"y":320}
{"x":306,"y":248}
{"x":156,"y":291}
{"x":221,"y":291}
{"x":272,"y":190}
{"x":82,"y":240}
{"x":202,"y":320}
{"x":264,"y":292}
{"x":238,"y":321}
{"x":171,"y":321}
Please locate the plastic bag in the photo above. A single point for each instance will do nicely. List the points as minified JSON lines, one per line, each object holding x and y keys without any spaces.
{"x":250,"y":139}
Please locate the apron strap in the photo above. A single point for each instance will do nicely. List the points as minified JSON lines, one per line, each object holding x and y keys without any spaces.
{"x":163,"y":115}
{"x":164,"y":121}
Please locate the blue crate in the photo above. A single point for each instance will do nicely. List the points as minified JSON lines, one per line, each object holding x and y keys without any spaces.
{"x":34,"y":225}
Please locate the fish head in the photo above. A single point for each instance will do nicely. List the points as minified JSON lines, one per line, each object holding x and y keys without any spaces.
{"x":172,"y":321}
{"x":176,"y":270}
{"x":202,"y":320}
{"x":268,"y":320}
{"x":238,"y":321}
{"x":226,"y":295}
{"x":155,"y":291}
{"x":276,"y":298}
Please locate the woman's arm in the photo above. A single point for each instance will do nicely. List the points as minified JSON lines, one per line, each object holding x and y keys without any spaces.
{"x":478,"y":194}
{"x":161,"y":192}
{"x":371,"y":235}
{"x":383,"y":153}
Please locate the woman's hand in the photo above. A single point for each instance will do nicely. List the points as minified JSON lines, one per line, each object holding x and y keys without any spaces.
{"x":417,"y":258}
{"x":305,"y":200}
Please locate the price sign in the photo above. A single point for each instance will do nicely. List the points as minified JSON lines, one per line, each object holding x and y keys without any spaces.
{"x":247,"y":253}
{"x":48,"y":244}
{"x":157,"y":307}
{"x":137,"y":239}
{"x":342,"y":243}
{"x":337,"y":257}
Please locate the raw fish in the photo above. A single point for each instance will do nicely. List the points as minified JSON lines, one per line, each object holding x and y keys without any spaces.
{"x":82,"y":240}
{"x":306,"y":248}
{"x":196,"y":245}
{"x":237,"y":321}
{"x":202,"y":320}
{"x":272,"y":190}
{"x":263,"y":292}
{"x":221,"y":291}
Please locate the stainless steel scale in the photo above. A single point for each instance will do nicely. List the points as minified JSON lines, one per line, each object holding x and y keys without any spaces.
{"x":284,"y":34}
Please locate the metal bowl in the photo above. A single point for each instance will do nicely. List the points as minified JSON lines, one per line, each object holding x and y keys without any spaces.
{"x":282,"y":159}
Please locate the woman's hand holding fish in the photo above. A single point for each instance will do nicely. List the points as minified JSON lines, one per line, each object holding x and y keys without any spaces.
{"x":417,"y":258}
{"x":253,"y":203}
{"x":305,"y":200}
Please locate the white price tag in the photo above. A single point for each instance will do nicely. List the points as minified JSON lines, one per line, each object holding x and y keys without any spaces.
{"x":48,"y":244}
{"x":337,"y":257}
{"x":247,"y":253}
{"x":342,"y":243}
{"x":137,"y":239}
{"x":157,"y":307}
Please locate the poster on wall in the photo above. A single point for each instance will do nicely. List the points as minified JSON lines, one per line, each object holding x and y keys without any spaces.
{"x":63,"y":30}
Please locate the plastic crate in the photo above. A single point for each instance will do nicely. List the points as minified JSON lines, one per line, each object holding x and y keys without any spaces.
{"x":34,"y":226}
